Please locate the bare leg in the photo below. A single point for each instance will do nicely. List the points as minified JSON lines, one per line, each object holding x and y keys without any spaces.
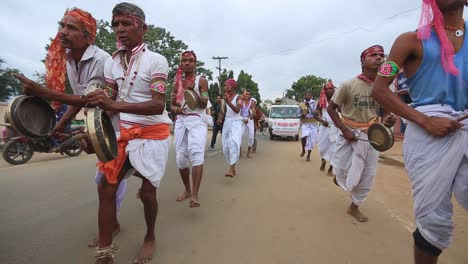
{"x":185,"y":175}
{"x":330,"y":171}
{"x":420,"y":257}
{"x":240,"y":152}
{"x":197,"y":173}
{"x":322,"y":167}
{"x":150,"y":204}
{"x":248,"y":152}
{"x":308,"y":155}
{"x":303,"y":142}
{"x":354,"y":211}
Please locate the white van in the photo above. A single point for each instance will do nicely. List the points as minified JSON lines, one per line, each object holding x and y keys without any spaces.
{"x":284,"y":121}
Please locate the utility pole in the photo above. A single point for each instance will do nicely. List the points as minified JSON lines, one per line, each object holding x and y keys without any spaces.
{"x":219,"y":69}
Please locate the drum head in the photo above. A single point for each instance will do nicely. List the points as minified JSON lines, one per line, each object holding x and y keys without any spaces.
{"x":382,"y":135}
{"x":101,"y":134}
{"x":191,"y":99}
{"x":31,"y":116}
{"x":223,"y":106}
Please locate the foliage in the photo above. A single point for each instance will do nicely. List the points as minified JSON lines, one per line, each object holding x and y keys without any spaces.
{"x":9,"y":85}
{"x":306,"y":83}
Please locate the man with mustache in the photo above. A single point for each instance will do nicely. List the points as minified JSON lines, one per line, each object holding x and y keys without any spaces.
{"x":191,"y":128}
{"x":355,"y":161}
{"x":436,"y":143}
{"x":139,"y":75}
{"x":72,"y":52}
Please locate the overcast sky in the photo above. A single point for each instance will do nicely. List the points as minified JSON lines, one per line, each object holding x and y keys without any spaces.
{"x":275,"y":41}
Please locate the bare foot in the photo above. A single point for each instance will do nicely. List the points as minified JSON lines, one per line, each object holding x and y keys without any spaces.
{"x":106,"y":255}
{"x":357,"y":214}
{"x":194,"y":202}
{"x":330,"y":171}
{"x":229,"y":174}
{"x":322,"y":167}
{"x":249,"y":155}
{"x":183,"y":196}
{"x":302,"y":154}
{"x":95,"y":241}
{"x":335,"y":182}
{"x":308,"y":159}
{"x":146,"y":252}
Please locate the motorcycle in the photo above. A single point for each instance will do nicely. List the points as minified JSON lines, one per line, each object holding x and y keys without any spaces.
{"x":19,"y":150}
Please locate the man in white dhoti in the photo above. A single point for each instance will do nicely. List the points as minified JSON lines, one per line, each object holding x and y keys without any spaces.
{"x":191,"y":126}
{"x":139,"y":75}
{"x":232,"y":128}
{"x":309,"y":124}
{"x":327,"y":131}
{"x":436,"y":144}
{"x":355,"y":161}
{"x":248,"y":127}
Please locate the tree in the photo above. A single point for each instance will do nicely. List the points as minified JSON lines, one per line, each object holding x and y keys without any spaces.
{"x":213,"y":90}
{"x":9,"y":85}
{"x":306,"y":83}
{"x":244,"y":81}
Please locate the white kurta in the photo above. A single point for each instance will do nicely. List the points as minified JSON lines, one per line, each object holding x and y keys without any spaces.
{"x":355,"y":166}
{"x":248,"y":130}
{"x":309,"y":130}
{"x":232,"y":134}
{"x":327,"y":137}
{"x":437,"y":167}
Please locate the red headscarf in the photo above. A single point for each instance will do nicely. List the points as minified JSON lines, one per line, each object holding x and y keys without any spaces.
{"x":55,"y":61}
{"x":372,"y":49}
{"x":178,"y":77}
{"x":431,"y":15}
{"x":323,"y":95}
{"x":231,"y":82}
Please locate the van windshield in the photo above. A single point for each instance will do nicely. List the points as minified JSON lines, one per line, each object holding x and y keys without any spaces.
{"x":284,"y":112}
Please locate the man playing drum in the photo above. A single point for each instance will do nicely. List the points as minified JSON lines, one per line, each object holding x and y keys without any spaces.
{"x":309,"y":127}
{"x":190,"y":127}
{"x":232,"y":128}
{"x":327,"y":131}
{"x":355,"y":161}
{"x":83,"y":64}
{"x":139,"y":75}
{"x":436,"y":143}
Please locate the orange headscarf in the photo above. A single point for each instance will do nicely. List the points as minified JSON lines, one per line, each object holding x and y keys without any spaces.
{"x":55,"y":61}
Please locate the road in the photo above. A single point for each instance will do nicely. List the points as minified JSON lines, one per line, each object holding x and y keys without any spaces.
{"x":279,"y":209}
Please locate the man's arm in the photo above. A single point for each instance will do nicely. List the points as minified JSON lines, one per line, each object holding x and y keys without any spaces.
{"x":203,"y":100}
{"x":236,"y":108}
{"x":332,"y":111}
{"x":404,"y":49}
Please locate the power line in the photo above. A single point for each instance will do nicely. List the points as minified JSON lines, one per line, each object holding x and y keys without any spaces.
{"x":219,"y":69}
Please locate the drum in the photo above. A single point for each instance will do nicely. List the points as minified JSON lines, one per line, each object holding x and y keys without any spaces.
{"x":381,"y":137}
{"x":223,"y":106}
{"x":191,"y":99}
{"x":31,"y":116}
{"x":101,"y":134}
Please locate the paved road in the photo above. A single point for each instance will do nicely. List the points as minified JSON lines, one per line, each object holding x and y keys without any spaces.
{"x":279,"y":209}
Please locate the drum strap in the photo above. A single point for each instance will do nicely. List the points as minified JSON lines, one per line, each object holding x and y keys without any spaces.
{"x":359,"y":125}
{"x":112,"y":168}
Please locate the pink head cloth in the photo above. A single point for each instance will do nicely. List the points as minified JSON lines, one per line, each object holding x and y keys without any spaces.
{"x":323,"y":96}
{"x":178,"y":77}
{"x":231,"y":82}
{"x":432,"y":16}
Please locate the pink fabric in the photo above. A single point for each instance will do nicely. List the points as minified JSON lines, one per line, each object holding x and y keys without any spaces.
{"x":231,"y":82}
{"x":323,"y":95}
{"x":178,"y":77}
{"x":432,"y":16}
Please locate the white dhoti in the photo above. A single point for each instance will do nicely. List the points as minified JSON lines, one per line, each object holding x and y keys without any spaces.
{"x":190,"y":134}
{"x":248,"y":129}
{"x":232,"y":139}
{"x":437,"y":167}
{"x":149,"y":157}
{"x":310,"y":131}
{"x":327,"y":141}
{"x":355,"y":166}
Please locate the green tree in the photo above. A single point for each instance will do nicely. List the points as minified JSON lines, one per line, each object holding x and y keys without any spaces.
{"x":306,"y":83}
{"x":244,"y":81}
{"x":9,"y":85}
{"x":213,"y":90}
